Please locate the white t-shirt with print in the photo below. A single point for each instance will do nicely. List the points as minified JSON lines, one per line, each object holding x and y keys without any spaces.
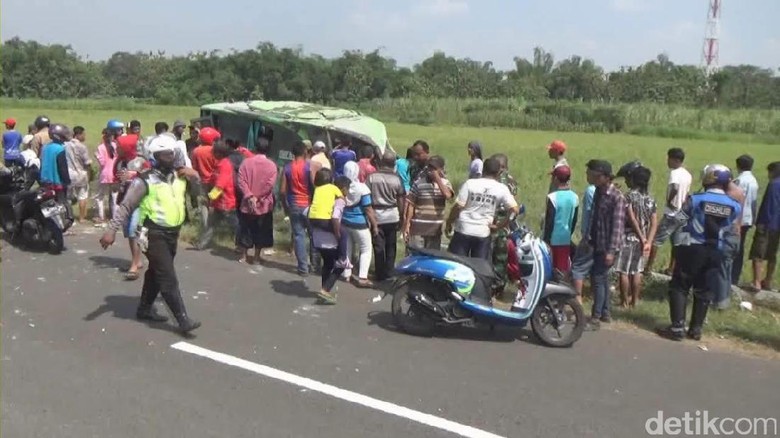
{"x":683,"y":179}
{"x":479,"y":199}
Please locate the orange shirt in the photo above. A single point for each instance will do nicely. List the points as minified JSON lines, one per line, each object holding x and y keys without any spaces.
{"x":204,"y":162}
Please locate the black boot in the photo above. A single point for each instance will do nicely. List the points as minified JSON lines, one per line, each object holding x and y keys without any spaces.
{"x":176,"y":304}
{"x":149,"y":314}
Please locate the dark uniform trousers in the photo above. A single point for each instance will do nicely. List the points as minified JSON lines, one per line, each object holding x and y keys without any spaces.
{"x":694,"y":265}
{"x":160,"y":276}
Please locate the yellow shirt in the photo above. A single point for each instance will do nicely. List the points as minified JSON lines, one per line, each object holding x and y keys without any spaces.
{"x":323,"y":201}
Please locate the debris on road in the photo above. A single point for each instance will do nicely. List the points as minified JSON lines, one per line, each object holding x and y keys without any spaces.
{"x":31,"y":325}
{"x":202,"y":292}
{"x":81,"y":251}
{"x":703,"y":348}
{"x":377,"y":298}
{"x":43,"y":279}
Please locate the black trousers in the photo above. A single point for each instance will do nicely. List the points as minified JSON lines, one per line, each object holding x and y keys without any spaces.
{"x":330,"y":273}
{"x":694,"y":264}
{"x":385,"y":247}
{"x":160,"y":277}
{"x":470,"y":246}
{"x":736,"y":267}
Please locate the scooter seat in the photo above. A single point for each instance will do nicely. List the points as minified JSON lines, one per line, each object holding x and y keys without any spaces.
{"x":481,"y":267}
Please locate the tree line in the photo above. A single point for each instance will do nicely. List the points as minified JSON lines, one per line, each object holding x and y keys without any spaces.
{"x":34,"y":70}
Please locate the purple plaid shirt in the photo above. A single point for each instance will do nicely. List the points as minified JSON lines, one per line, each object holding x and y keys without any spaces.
{"x":607,"y":221}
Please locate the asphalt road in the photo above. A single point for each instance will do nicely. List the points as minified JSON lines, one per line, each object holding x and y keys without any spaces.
{"x":75,"y":363}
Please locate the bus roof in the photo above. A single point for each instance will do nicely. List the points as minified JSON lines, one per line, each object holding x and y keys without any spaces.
{"x":283,"y":113}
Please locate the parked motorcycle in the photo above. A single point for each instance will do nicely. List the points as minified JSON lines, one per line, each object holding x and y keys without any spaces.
{"x":35,"y":217}
{"x":437,"y":288}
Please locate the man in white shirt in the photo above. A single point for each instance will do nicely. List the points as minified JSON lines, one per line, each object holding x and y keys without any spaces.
{"x":749,"y":185}
{"x":180,"y":153}
{"x":475,"y":209}
{"x":676,"y":193}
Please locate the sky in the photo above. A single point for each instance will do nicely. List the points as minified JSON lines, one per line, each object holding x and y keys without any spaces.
{"x":613,"y":33}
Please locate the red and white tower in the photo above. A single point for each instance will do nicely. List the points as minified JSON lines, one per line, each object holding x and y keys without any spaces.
{"x":709,"y":58}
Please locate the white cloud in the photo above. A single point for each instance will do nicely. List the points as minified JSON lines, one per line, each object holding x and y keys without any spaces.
{"x":442,"y":8}
{"x":630,"y":5}
{"x":368,"y":19}
{"x":680,"y":32}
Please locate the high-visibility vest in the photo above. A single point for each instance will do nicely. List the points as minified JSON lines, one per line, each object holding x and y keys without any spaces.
{"x":164,"y":203}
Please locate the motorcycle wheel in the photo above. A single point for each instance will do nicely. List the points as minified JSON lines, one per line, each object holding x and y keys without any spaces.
{"x":56,"y":241}
{"x":551,"y":314}
{"x":407,"y":315}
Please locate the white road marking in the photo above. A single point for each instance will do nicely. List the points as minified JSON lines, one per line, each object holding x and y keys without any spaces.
{"x":333,"y":391}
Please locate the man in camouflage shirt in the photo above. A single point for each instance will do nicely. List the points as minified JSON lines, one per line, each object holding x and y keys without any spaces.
{"x":500,"y":236}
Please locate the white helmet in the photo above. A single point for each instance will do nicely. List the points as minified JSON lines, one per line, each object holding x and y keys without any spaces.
{"x":715,"y":174}
{"x":162,"y":143}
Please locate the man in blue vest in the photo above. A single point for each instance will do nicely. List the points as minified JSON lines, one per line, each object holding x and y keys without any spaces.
{"x":160,"y":195}
{"x":54,"y":162}
{"x":712,"y":214}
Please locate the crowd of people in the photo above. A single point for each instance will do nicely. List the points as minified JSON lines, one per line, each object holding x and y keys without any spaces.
{"x":347,"y":206}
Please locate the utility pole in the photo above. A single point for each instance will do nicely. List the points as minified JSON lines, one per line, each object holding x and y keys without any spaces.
{"x":709,"y":59}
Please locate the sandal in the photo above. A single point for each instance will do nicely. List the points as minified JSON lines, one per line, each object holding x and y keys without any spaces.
{"x":364,"y":283}
{"x":132,"y":276}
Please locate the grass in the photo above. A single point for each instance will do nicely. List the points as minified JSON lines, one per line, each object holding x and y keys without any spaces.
{"x":761,"y":326}
{"x":529,"y":165}
{"x":649,"y":119}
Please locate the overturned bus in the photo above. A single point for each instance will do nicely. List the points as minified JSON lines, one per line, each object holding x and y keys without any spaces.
{"x":284,"y":123}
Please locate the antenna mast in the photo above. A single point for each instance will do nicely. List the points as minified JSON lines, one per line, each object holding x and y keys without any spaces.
{"x":709,"y":60}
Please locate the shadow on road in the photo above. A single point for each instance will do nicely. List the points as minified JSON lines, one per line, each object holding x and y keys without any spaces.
{"x":288,"y":268}
{"x":384,"y":320}
{"x":107,"y":262}
{"x":124,"y":307}
{"x":295,"y":288}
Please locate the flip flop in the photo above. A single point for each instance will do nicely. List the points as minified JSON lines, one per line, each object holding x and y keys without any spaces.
{"x":132,"y":276}
{"x":326,"y":298}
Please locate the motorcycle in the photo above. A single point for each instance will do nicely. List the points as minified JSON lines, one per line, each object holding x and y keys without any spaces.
{"x":36,"y":217}
{"x":437,"y":288}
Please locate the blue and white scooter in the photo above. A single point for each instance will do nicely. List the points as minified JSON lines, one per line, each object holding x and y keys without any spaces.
{"x":437,"y":288}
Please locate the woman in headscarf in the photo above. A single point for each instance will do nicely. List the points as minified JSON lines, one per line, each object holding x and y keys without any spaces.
{"x":359,"y":222}
{"x":126,"y":167}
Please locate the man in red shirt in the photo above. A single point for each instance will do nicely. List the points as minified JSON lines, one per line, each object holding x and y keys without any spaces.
{"x":296,"y":190}
{"x":364,"y":164}
{"x":204,"y":162}
{"x":222,"y":195}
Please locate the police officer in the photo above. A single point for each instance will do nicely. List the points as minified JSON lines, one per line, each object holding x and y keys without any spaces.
{"x":712,"y":214}
{"x":160,"y":194}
